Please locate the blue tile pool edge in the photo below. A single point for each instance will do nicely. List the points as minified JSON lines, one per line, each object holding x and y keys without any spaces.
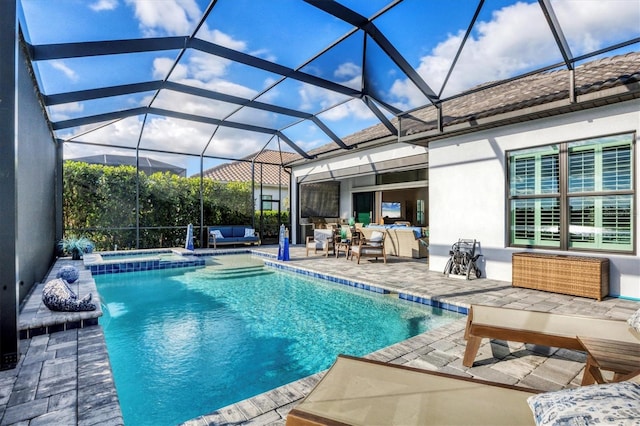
{"x":433,"y":302}
{"x":270,"y":260}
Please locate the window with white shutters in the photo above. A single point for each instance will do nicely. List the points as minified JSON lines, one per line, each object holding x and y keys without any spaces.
{"x":576,"y":195}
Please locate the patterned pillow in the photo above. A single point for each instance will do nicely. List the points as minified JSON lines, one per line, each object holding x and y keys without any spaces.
{"x":249,"y":232}
{"x":614,"y":403}
{"x":69,"y":273}
{"x":634,"y":321}
{"x":57,"y":296}
{"x":216,"y":233}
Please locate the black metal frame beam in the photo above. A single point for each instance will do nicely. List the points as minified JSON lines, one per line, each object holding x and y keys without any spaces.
{"x":383,"y":119}
{"x":556,"y":29}
{"x":114,"y":47}
{"x":345,"y":14}
{"x":75,"y":122}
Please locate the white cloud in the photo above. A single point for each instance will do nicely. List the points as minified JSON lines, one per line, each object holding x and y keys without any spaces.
{"x":169,"y":17}
{"x":347,"y":70}
{"x":218,"y":37}
{"x":101,"y":5}
{"x":354,"y":109}
{"x":161,"y":66}
{"x":68,"y":72}
{"x":517,"y":39}
{"x":63,"y":111}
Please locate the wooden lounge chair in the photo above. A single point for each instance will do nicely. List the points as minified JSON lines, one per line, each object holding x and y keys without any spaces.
{"x":357,"y":391}
{"x":540,"y":328}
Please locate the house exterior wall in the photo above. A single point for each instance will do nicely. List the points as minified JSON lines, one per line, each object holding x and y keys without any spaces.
{"x":276,"y":193}
{"x":467,"y":189}
{"x":467,"y":186}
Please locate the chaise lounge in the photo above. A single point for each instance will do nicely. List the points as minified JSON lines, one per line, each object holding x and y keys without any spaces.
{"x":358,"y":391}
{"x":541,"y":328}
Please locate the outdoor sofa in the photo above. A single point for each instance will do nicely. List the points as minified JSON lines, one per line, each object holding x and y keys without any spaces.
{"x":400,"y":240}
{"x":232,"y":235}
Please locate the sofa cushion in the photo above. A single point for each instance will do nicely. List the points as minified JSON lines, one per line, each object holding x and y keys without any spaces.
{"x":614,"y":403}
{"x":237,"y":231}
{"x":249,"y":232}
{"x":227,"y":231}
{"x":216,"y":233}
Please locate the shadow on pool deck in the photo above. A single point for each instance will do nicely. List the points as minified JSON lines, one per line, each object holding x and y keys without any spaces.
{"x":65,"y":377}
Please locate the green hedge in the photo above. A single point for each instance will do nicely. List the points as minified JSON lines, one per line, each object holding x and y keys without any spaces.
{"x":100,"y":202}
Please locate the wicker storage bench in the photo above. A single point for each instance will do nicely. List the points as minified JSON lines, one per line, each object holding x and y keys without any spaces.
{"x":573,"y":275}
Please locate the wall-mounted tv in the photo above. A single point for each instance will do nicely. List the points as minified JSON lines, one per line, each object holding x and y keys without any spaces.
{"x":321,"y":199}
{"x":392,"y":210}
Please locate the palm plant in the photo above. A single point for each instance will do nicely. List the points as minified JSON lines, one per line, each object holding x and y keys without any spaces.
{"x":75,"y":246}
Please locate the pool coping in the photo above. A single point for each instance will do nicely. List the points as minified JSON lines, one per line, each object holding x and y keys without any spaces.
{"x":98,"y":265}
{"x":36,"y":319}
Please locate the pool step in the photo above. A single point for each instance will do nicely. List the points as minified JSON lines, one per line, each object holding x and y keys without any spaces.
{"x":235,"y":273}
{"x":239,"y":275}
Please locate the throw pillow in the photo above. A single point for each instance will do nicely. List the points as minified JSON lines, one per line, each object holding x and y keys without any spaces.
{"x":216,"y":233}
{"x":57,"y":296}
{"x":249,"y":232}
{"x":634,"y":321}
{"x":69,"y":273}
{"x":376,"y":238}
{"x":614,"y":403}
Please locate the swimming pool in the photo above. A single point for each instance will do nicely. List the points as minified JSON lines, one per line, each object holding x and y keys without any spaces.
{"x":185,"y":342}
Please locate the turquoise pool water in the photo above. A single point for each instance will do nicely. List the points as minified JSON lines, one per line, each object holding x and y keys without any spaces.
{"x":185,"y":342}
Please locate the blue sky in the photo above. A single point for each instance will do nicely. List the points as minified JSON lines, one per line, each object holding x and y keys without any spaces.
{"x":509,"y":38}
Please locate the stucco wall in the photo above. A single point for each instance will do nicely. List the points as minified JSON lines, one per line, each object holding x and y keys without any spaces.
{"x":468,"y":196}
{"x":36,"y":186}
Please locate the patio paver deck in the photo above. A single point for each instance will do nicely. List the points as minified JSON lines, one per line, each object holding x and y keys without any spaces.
{"x":65,"y":378}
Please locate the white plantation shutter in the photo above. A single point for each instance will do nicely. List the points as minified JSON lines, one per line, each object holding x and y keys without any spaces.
{"x":597,"y":198}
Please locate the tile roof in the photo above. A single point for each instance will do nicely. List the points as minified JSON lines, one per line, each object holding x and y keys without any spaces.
{"x":268,"y":162}
{"x":145,"y":163}
{"x":516,"y":96}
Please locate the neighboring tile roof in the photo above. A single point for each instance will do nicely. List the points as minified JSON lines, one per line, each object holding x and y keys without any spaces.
{"x":149,"y":165}
{"x":268,"y":162}
{"x":513,"y":96}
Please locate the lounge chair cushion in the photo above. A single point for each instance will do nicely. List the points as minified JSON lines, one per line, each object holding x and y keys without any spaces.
{"x":615,"y":403}
{"x":57,"y":296}
{"x":634,"y":321}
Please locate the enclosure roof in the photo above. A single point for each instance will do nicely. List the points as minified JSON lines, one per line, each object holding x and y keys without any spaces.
{"x":226,"y":78}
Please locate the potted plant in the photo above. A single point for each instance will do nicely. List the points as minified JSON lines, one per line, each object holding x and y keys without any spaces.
{"x":75,"y":246}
